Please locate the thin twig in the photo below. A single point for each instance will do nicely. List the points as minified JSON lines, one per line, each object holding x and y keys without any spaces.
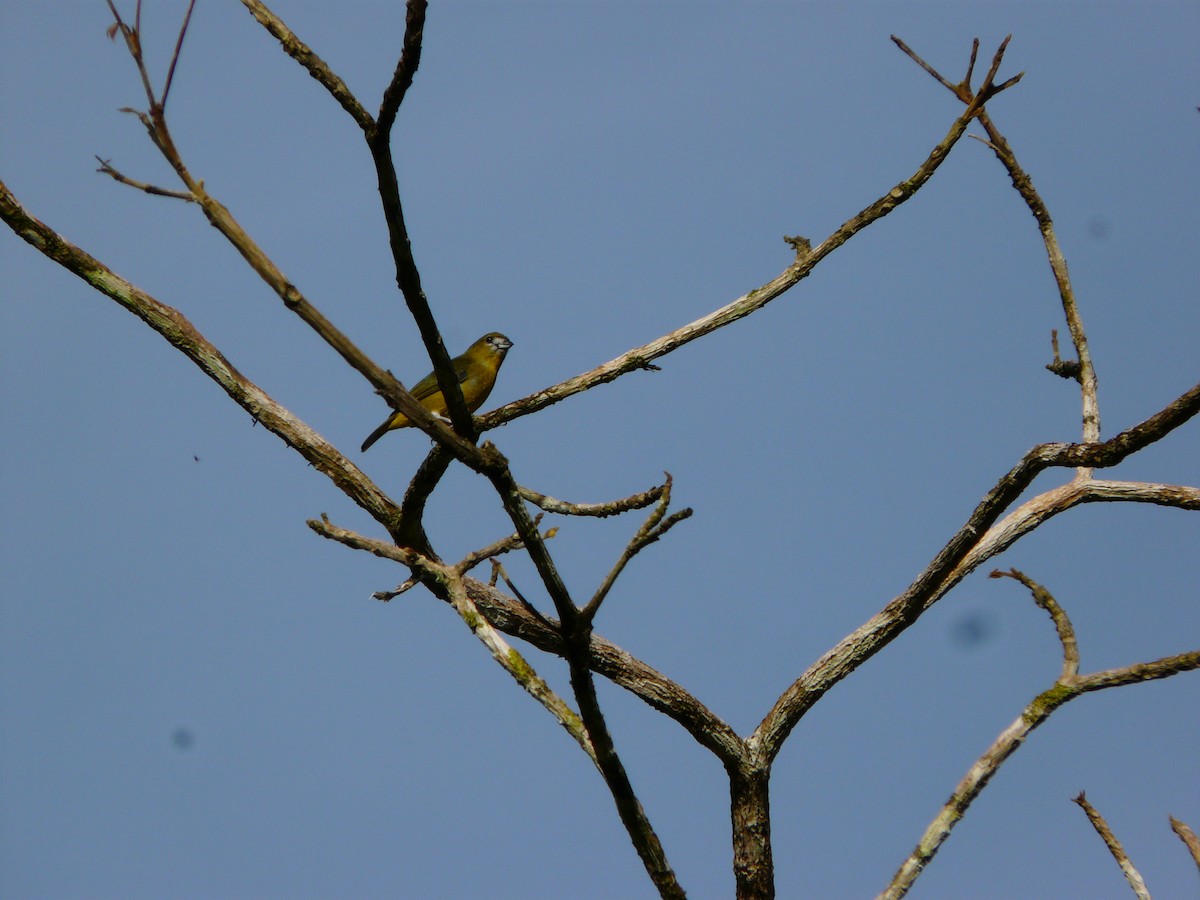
{"x":652,"y":529}
{"x":107,"y":169}
{"x":175,"y":56}
{"x":404,"y":587}
{"x":497,"y":548}
{"x":963,"y":89}
{"x":612,"y":508}
{"x":1058,"y":265}
{"x":498,"y":571}
{"x":133,"y":42}
{"x":1062,"y":624}
{"x":1114,"y":847}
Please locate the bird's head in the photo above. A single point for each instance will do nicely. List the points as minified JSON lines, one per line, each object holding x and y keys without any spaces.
{"x":495,"y":343}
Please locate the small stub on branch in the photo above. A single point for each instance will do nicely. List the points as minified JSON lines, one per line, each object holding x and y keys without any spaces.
{"x":802,"y":246}
{"x":1063,"y":368}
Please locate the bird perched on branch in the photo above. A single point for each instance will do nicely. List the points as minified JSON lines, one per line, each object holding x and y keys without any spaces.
{"x":476,"y":371}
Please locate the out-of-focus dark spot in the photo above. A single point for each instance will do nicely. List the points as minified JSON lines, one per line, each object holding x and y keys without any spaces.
{"x":183,"y":739}
{"x":1098,"y":229}
{"x":972,"y":630}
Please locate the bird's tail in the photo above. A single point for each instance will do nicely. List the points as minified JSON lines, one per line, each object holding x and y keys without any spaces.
{"x":377,"y":434}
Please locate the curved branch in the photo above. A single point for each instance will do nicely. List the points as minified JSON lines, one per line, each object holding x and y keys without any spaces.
{"x":871,"y":637}
{"x":1031,"y":514}
{"x":1062,"y":622}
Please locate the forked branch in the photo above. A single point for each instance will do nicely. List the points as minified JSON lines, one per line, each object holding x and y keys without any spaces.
{"x":871,"y":637}
{"x":223,"y":220}
{"x":1069,"y":686}
{"x":1086,"y":374}
{"x":447,"y":582}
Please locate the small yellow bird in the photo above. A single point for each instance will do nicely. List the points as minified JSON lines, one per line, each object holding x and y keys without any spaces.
{"x":476,"y":370}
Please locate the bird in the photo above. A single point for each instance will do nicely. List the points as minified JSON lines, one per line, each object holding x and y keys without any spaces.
{"x":476,"y":371}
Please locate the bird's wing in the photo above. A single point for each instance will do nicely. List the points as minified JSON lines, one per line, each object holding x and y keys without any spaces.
{"x":428,"y":385}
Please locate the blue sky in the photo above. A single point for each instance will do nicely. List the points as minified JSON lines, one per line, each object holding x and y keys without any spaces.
{"x":200,"y":698}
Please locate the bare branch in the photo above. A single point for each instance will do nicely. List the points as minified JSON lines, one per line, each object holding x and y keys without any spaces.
{"x":107,"y":169}
{"x":220,"y":217}
{"x":1189,"y":838}
{"x":1007,"y":744}
{"x":374,"y":546}
{"x":1114,"y":847}
{"x":1062,"y":624}
{"x":409,"y":528}
{"x":448,"y":583}
{"x":1060,"y":367}
{"x":182,"y":334}
{"x":175,"y":55}
{"x":406,"y":67}
{"x":1034,"y":512}
{"x":619,"y":667}
{"x":303,"y":54}
{"x":406,"y":585}
{"x":867,"y":640}
{"x":963,"y":90}
{"x":497,"y":548}
{"x":498,"y":571}
{"x":652,"y":529}
{"x":1058,"y":265}
{"x":407,"y":277}
{"x":805,"y":262}
{"x":490,"y":462}
{"x":602,"y":510}
{"x":133,"y":43}
{"x":1086,"y":375}
{"x":576,"y":640}
{"x":953,"y":88}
